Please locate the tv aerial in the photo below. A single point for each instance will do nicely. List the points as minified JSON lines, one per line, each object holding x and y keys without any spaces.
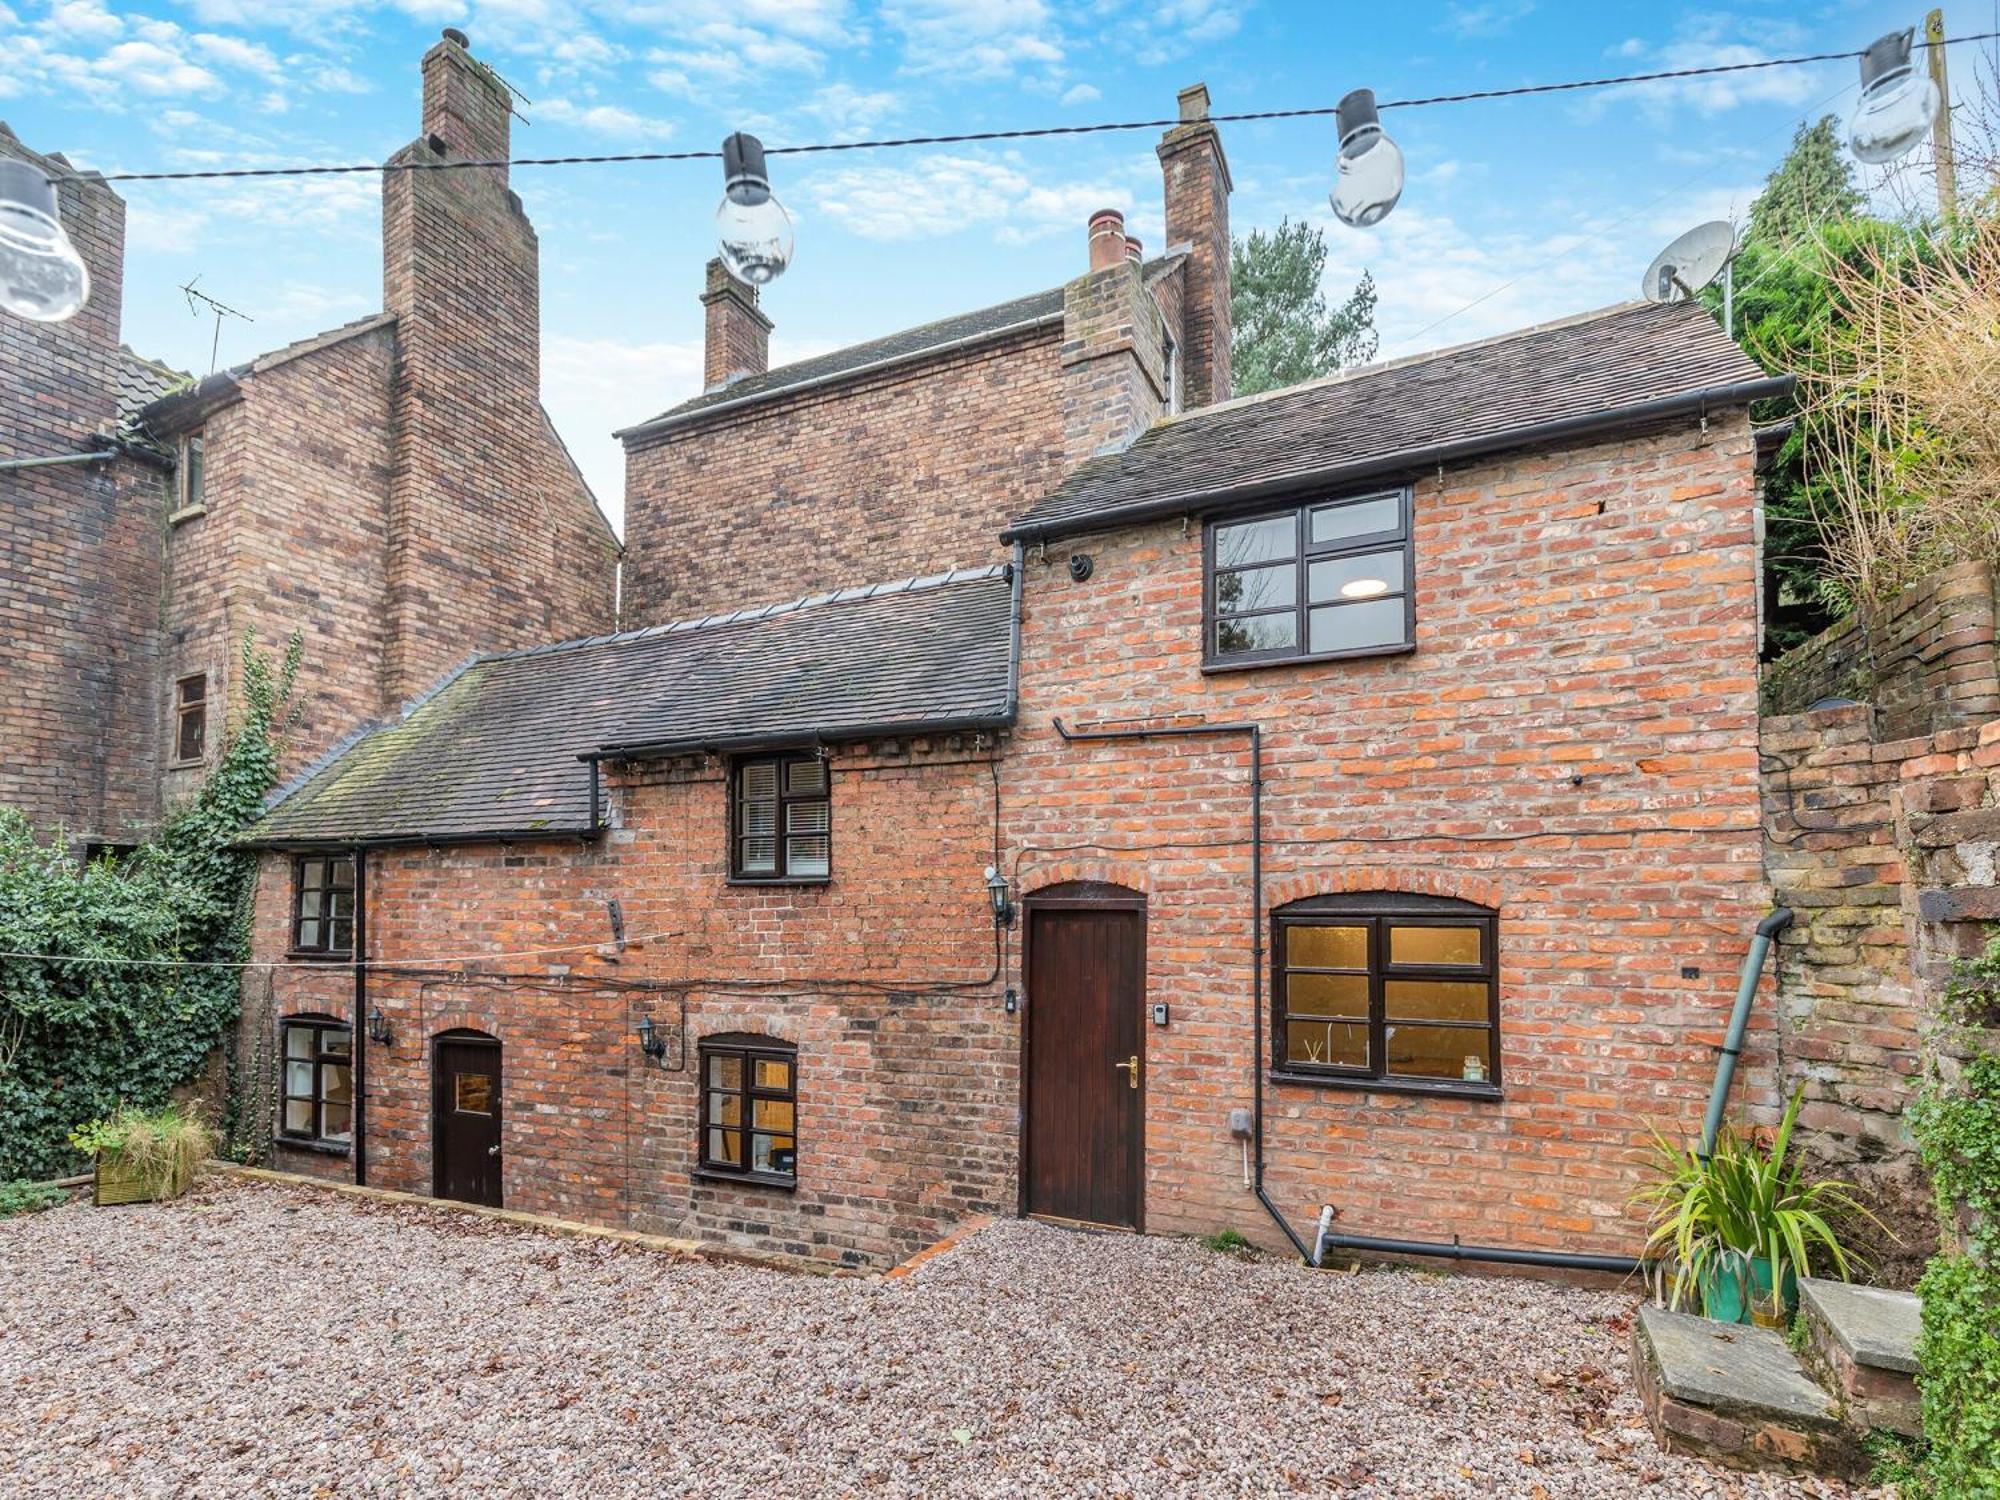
{"x":1691,"y":263}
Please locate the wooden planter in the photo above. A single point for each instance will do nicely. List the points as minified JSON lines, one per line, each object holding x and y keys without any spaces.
{"x":114,"y":1182}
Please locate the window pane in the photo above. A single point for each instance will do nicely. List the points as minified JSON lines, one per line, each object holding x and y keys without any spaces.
{"x":1326,"y":1044}
{"x":309,"y":934}
{"x":1250,"y":589}
{"x":1258,"y":633}
{"x":1364,"y":577}
{"x":343,"y":874}
{"x":298,"y":1041}
{"x":725,"y":1071}
{"x":805,"y":778}
{"x":1349,"y":627}
{"x":193,"y":690}
{"x":312,"y":875}
{"x":772,"y":1114}
{"x":808,"y":856}
{"x":1434,"y":1000}
{"x":1439,"y":1052}
{"x":309,"y":903}
{"x":339,"y":936}
{"x":299,"y":1079}
{"x":340,"y":903}
{"x":298,"y":1116}
{"x":1326,"y":947}
{"x":759,"y":818}
{"x":1334,"y":523}
{"x":472,"y":1093}
{"x":807,"y":817}
{"x":1327,"y":995}
{"x":1433,"y":945}
{"x":336,"y":1122}
{"x":760,"y":856}
{"x":774,"y":1073}
{"x":192,"y":728}
{"x":785,"y":1155}
{"x":725,"y":1109}
{"x":771,"y":1153}
{"x":336,"y":1040}
{"x":336,"y":1083}
{"x":1256,"y":541}
{"x":760,"y":779}
{"x":726,"y":1146}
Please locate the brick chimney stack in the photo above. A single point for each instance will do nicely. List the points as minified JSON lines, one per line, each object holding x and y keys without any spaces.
{"x":1197,"y":189}
{"x":737,"y":336}
{"x":1114,"y":348}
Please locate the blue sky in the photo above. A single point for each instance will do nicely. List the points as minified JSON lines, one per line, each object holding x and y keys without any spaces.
{"x":1527,"y":209}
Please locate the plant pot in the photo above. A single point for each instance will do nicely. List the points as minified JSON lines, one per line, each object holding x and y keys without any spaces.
{"x":1724,"y":1299}
{"x":114,"y":1182}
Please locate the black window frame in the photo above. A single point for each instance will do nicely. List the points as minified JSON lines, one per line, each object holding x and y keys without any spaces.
{"x":748,"y":1052}
{"x":323,"y":945}
{"x":781,"y":873}
{"x":192,"y":480}
{"x":321,"y":1058}
{"x":188,"y":710}
{"x":1377,"y":911}
{"x":1306,"y":552}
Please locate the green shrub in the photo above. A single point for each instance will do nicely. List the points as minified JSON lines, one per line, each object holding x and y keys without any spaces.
{"x":1226,"y":1242}
{"x":164,"y":1147}
{"x":135,"y":992}
{"x":28,"y":1197}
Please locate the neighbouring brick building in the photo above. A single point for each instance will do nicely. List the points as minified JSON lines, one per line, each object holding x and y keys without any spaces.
{"x":391,"y":489}
{"x":1352,"y":788}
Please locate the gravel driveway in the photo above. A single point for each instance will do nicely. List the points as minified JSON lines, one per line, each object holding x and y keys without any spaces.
{"x":260,"y":1340}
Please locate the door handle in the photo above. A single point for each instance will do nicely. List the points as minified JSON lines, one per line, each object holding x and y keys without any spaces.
{"x":492,"y":1150}
{"x":1131,"y":1067}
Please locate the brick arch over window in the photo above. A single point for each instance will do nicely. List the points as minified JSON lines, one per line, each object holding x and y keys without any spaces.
{"x":1353,"y":878}
{"x":1133,"y":876}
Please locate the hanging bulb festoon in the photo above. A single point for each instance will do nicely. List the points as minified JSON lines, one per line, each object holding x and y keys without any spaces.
{"x":1897,"y":102}
{"x":42,"y":278}
{"x":1371,"y":165}
{"x":751,"y":226}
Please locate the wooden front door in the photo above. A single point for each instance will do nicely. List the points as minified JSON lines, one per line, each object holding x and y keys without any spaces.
{"x":465,"y":1118}
{"x":1086,"y":968}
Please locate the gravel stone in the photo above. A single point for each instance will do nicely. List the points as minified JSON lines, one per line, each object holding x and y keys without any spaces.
{"x":257,"y":1340}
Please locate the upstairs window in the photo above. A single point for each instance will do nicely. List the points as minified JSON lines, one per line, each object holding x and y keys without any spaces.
{"x":323,"y":906}
{"x":782,"y":812}
{"x":749,"y":1109}
{"x":190,"y":718}
{"x":1387,"y":989}
{"x":318,"y":1104}
{"x":1324,"y":580}
{"x":191,"y":495}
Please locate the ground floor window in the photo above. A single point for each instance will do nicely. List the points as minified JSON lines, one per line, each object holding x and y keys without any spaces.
{"x":318,"y":1080}
{"x":749,"y":1108}
{"x":1387,"y":986}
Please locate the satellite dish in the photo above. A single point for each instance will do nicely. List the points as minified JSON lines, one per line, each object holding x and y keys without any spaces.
{"x":1690,"y":262}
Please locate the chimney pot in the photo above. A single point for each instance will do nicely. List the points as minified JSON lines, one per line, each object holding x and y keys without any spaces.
{"x":1194,"y":102}
{"x":453,"y":34}
{"x":1107,"y":238}
{"x":1134,"y":250}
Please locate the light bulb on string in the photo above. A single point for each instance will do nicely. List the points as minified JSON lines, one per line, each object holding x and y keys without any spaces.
{"x":1371,"y":165}
{"x":751,"y":227}
{"x":1897,"y":103}
{"x":42,"y":278}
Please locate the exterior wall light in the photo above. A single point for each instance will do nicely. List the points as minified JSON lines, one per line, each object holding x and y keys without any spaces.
{"x":378,"y":1028}
{"x":42,"y":278}
{"x":751,"y":226}
{"x":1003,"y":904}
{"x":650,"y":1041}
{"x":1897,"y":102}
{"x":1371,"y":165}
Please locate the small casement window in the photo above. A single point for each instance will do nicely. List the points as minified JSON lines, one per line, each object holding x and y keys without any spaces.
{"x":1327,"y":579}
{"x":1387,"y":986}
{"x":749,"y":1108}
{"x":191,"y":473}
{"x":190,"y":717}
{"x":323,"y":905}
{"x":783,"y":819}
{"x":318,"y":1082}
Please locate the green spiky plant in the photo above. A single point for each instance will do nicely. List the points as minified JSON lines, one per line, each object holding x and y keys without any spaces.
{"x":164,"y":1148}
{"x":1714,"y":1220}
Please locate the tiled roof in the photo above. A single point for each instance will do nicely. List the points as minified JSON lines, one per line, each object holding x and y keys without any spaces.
{"x":495,"y":750}
{"x":143,"y":381}
{"x":1586,"y":373}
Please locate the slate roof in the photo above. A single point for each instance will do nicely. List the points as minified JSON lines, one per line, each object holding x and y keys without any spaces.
{"x":1585,"y":374}
{"x":143,"y":381}
{"x":494,"y":751}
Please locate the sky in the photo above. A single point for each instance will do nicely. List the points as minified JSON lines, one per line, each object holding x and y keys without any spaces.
{"x":1515,"y":211}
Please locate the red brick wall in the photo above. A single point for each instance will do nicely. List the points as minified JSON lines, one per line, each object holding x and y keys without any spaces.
{"x":906,"y":473}
{"x":1586,"y":614}
{"x":79,"y":555}
{"x":906,"y":1095}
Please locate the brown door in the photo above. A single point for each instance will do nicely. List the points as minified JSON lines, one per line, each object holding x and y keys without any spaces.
{"x":1085,"y":1118}
{"x":465,"y":1118}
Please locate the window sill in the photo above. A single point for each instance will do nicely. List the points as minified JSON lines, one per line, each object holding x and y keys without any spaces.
{"x":1490,"y":1092}
{"x":779,"y":880}
{"x":1211,"y":668}
{"x":307,"y":956}
{"x":187,"y":765}
{"x":318,"y":1148}
{"x":747,"y":1179}
{"x":187,"y":513}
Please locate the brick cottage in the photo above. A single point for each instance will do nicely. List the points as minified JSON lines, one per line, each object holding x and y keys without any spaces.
{"x":1034,"y":782}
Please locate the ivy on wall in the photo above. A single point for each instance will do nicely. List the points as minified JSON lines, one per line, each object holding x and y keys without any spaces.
{"x":136,"y":988}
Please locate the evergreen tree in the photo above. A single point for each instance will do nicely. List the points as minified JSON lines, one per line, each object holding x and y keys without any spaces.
{"x":1284,"y":331}
{"x":1813,"y":185}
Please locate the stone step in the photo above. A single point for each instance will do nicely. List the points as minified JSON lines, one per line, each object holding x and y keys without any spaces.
{"x":1862,"y":1343}
{"x":1736,"y":1394}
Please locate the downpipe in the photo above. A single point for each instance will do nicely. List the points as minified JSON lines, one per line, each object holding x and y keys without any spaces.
{"x":1739,"y":1021}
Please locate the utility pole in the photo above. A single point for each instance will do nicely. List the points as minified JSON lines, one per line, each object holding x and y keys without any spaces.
{"x":1947,"y":169}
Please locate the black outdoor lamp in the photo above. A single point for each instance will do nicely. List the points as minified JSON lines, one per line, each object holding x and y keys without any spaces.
{"x":378,"y":1027}
{"x":1003,"y":905}
{"x":650,"y":1041}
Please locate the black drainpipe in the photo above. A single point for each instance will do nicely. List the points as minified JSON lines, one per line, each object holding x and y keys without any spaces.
{"x":360,"y":1033}
{"x":1256,"y":734}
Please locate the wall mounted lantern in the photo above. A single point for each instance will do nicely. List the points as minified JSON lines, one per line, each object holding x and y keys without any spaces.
{"x":650,"y":1041}
{"x":378,"y":1028}
{"x":1003,"y":904}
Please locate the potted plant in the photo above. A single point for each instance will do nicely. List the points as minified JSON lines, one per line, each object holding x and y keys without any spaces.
{"x":1734,"y":1232}
{"x":140,"y":1155}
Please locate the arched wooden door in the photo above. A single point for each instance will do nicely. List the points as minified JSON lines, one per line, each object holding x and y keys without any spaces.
{"x":465,"y":1117}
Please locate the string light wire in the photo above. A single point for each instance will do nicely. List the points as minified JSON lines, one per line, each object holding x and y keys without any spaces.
{"x":1036,"y":132}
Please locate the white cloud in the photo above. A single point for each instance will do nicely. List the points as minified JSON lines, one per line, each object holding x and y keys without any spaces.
{"x":81,"y":20}
{"x":847,"y":112}
{"x":1489,"y":18}
{"x":234,"y":52}
{"x":1174,"y":28}
{"x":1081,"y":93}
{"x":610,"y":120}
{"x":975,"y":38}
{"x":946,"y":194}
